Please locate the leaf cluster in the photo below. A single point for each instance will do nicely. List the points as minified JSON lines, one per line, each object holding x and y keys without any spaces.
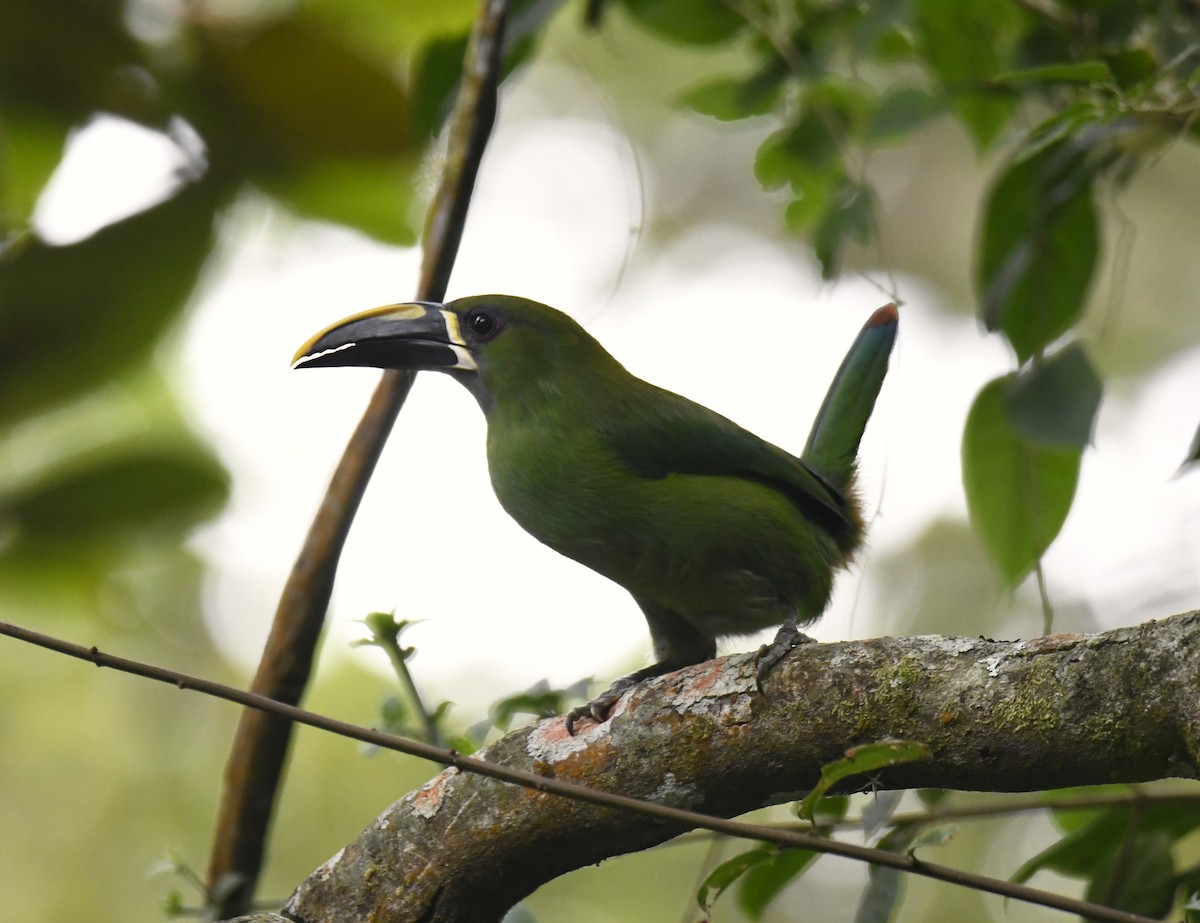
{"x":1074,"y":96}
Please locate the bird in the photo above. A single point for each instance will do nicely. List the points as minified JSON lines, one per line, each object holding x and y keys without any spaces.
{"x":713,"y":531}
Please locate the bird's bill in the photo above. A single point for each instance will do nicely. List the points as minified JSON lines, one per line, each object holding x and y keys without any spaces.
{"x":416,"y":335}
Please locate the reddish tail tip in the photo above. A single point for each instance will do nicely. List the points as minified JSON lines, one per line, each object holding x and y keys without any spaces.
{"x":888,"y":314}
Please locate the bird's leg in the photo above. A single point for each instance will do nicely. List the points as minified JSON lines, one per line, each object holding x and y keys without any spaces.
{"x":677,"y":644}
{"x":788,"y":637}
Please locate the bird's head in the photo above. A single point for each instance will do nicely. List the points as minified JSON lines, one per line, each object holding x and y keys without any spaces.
{"x":494,"y":344}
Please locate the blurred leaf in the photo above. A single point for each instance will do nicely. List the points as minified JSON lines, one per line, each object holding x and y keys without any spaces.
{"x":901,"y":111}
{"x":374,"y":197}
{"x":1131,"y":66}
{"x":688,"y":22}
{"x":138,"y":490}
{"x":1087,"y":850}
{"x":882,"y":895}
{"x":1139,"y":877}
{"x":849,"y":216}
{"x":932,"y":797}
{"x":964,"y":44}
{"x":878,"y":811}
{"x":1054,"y":402}
{"x":439,"y":63}
{"x":729,"y":871}
{"x":1039,"y":247}
{"x":74,"y":316}
{"x":860,"y":760}
{"x":1018,"y":492}
{"x":70,"y":58}
{"x":291,"y":90}
{"x":731,"y":98}
{"x":763,"y":881}
{"x":934,"y":836}
{"x":1068,"y":72}
{"x":829,"y":810}
{"x":31,"y":146}
{"x":540,"y":700}
{"x":812,"y":195}
{"x":435,"y":81}
{"x":795,"y":152}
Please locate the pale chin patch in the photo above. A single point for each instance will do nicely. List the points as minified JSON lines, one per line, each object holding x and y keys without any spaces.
{"x":465,"y":360}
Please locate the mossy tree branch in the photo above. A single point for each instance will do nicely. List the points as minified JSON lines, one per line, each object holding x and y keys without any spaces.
{"x":1122,"y":706}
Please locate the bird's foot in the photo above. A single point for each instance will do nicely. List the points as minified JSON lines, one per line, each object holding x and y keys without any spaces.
{"x":788,"y":637}
{"x":598,"y":708}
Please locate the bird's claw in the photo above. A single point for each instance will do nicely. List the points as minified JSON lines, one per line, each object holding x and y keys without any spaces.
{"x":598,"y":708}
{"x":769,"y":655}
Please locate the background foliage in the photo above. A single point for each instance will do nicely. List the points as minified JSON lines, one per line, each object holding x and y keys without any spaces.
{"x":330,"y":112}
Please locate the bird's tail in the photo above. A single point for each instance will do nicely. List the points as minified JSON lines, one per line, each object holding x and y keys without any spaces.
{"x":832,"y":445}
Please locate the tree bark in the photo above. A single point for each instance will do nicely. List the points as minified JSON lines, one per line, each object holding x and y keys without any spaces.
{"x":1063,"y":710}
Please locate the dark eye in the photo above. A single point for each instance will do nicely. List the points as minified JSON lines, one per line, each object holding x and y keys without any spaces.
{"x":482,"y":324}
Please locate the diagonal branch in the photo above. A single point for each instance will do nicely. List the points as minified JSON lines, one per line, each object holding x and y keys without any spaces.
{"x":255,"y":768}
{"x":1062,"y":711}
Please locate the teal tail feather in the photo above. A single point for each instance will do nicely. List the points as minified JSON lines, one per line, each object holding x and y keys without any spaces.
{"x":832,"y":445}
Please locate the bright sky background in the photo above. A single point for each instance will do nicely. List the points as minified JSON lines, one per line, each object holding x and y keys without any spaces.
{"x":728,"y":319}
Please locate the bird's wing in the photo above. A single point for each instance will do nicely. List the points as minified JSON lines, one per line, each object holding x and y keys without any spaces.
{"x":671,"y":435}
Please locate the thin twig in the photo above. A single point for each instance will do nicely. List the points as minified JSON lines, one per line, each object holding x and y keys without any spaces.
{"x":255,"y":768}
{"x":551,"y":785}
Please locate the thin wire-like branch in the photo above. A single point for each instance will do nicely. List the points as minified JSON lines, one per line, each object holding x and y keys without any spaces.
{"x":565,"y":789}
{"x":255,"y":768}
{"x":1000,"y":810}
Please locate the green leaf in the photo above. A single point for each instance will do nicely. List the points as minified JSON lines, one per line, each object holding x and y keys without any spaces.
{"x":31,"y":146}
{"x":729,"y":871}
{"x":1018,"y":492}
{"x":934,"y":836}
{"x":137,"y":491}
{"x":1139,"y":877}
{"x":795,"y":152}
{"x":901,"y":111}
{"x":435,"y":80}
{"x":68,"y":59}
{"x":1069,"y":72}
{"x":1088,"y":849}
{"x":763,"y":881}
{"x":688,"y":22}
{"x":830,"y":810}
{"x":849,"y":215}
{"x":866,"y":758}
{"x":1132,"y":66}
{"x":932,"y":797}
{"x":292,"y":90}
{"x":74,"y":316}
{"x":1039,"y":247}
{"x":1054,"y":402}
{"x":732,"y":98}
{"x":540,"y":700}
{"x":372,"y":196}
{"x":964,"y":44}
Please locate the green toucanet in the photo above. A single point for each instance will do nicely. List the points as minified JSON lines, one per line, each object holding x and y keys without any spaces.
{"x":714,"y":531}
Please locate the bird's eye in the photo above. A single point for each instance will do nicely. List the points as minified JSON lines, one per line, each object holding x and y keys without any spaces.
{"x":482,"y":324}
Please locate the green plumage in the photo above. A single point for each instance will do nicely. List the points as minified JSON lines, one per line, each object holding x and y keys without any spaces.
{"x":713,"y":531}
